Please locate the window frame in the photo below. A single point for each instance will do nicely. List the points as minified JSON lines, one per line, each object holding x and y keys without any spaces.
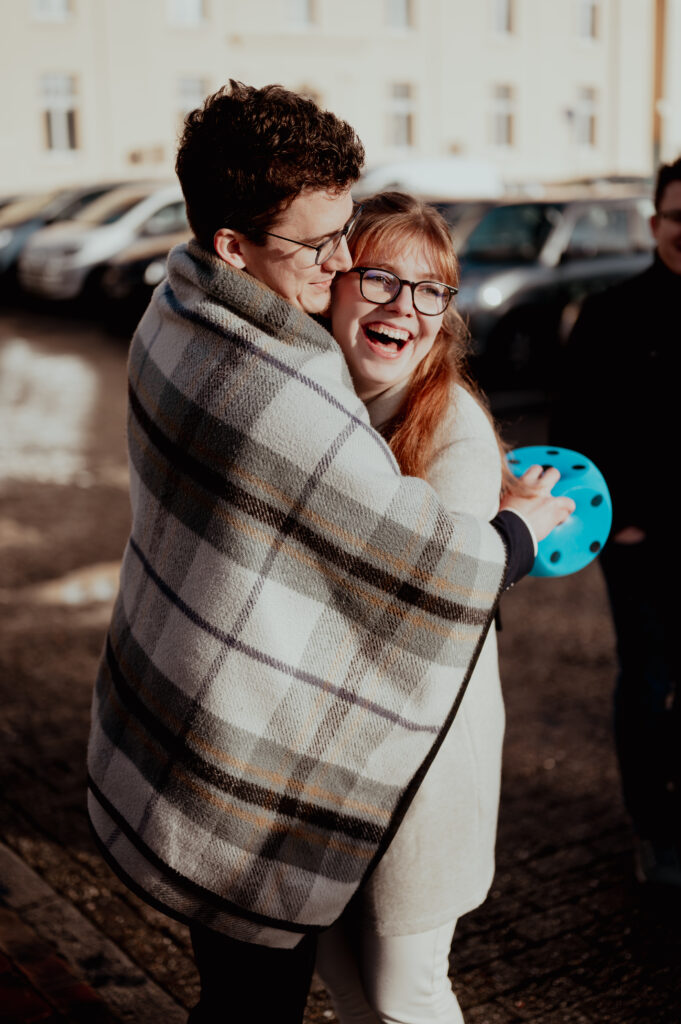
{"x":586,"y":119}
{"x":401,"y":117}
{"x":55,"y":12}
{"x":305,"y":21}
{"x":588,"y":25}
{"x":396,"y":20}
{"x":504,"y":115}
{"x":60,"y":112}
{"x":503,"y":17}
{"x":179,"y":15}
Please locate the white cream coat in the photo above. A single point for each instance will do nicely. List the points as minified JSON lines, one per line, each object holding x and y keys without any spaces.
{"x":440,"y":864}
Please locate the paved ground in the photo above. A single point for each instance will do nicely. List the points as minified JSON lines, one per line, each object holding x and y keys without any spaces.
{"x":566,"y":936}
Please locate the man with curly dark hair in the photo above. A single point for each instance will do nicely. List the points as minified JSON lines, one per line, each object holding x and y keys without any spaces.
{"x":255,"y":159}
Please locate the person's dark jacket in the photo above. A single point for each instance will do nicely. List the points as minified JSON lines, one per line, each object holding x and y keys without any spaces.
{"x":618,"y":395}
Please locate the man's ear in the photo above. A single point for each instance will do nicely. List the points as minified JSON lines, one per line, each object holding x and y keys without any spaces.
{"x":654,"y":225}
{"x":227,"y":244}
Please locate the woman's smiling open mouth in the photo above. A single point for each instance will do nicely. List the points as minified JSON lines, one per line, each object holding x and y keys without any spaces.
{"x":385,"y":339}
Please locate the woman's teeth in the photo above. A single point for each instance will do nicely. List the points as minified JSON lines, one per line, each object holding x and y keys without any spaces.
{"x":388,"y":335}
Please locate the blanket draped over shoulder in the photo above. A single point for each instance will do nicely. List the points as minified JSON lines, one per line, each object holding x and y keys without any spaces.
{"x":294,"y":624}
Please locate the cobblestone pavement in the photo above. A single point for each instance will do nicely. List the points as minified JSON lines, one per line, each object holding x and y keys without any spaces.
{"x":566,"y":936}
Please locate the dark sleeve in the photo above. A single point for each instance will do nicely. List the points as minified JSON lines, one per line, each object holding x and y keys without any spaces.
{"x":577,"y":418}
{"x":595,"y":411}
{"x":519,"y":546}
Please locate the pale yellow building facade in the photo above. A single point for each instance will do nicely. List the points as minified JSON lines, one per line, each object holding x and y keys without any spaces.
{"x":543,"y":89}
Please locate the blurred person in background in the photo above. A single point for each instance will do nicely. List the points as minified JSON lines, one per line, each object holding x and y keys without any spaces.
{"x":405,"y":344}
{"x":295,"y":618}
{"x":617,"y":404}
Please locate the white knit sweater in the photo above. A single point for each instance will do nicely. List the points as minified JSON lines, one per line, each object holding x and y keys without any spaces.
{"x":440,"y":864}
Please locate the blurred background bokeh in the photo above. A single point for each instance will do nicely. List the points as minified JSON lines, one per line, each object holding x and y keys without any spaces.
{"x":536,"y":126}
{"x":97,"y":89}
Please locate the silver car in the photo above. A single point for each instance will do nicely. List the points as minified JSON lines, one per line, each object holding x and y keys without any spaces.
{"x":64,"y":261}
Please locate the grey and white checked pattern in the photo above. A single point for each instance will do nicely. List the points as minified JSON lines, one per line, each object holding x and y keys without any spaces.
{"x":294,"y":623}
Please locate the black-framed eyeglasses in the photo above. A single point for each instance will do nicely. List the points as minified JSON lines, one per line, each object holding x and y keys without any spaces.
{"x":673,"y":215}
{"x":325,"y":250}
{"x":382,"y":286}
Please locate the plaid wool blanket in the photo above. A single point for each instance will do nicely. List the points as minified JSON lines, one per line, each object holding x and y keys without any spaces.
{"x":294,"y":623}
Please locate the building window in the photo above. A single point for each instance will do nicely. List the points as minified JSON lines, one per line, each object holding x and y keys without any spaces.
{"x":401,"y":116}
{"x":503,"y":115}
{"x":191,"y":93}
{"x":503,"y":16}
{"x":587,"y":19}
{"x":399,"y":14}
{"x":300,"y":14}
{"x":51,"y":10}
{"x":58,"y":93}
{"x":186,"y":13}
{"x":586,"y":116}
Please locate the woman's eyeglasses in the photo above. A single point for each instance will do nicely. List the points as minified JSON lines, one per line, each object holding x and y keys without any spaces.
{"x":325,"y":250}
{"x":382,"y":286}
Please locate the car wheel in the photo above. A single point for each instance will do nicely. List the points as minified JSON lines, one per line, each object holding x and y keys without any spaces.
{"x":92,"y":295}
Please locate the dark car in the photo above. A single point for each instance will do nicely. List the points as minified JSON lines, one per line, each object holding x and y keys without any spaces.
{"x":462,"y":215}
{"x":129,"y":278}
{"x":526,"y":263}
{"x":20,"y":220}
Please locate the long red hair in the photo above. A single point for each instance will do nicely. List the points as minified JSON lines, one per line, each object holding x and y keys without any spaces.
{"x":390,"y":223}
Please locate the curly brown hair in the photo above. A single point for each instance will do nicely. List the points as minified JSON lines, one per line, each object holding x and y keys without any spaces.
{"x":667,"y":173}
{"x":247,"y":153}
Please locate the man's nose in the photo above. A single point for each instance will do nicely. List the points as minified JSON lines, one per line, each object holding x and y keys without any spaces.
{"x":341,"y":261}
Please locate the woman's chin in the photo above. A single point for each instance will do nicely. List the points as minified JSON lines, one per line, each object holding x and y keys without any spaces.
{"x":371,"y":385}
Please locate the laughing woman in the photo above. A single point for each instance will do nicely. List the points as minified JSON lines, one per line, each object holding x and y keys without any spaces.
{"x":387,"y":960}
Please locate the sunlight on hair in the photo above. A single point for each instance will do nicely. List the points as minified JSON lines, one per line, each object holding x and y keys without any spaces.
{"x":45,"y":404}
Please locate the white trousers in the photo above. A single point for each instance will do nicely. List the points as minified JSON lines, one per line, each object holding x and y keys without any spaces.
{"x":391,"y":979}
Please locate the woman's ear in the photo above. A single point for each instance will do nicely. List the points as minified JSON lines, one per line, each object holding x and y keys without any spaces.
{"x":227,"y":245}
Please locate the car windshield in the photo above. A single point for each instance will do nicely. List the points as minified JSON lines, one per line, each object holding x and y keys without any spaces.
{"x":170,"y":218}
{"x":110,"y":208}
{"x":511,"y":234}
{"x":79,"y":202}
{"x":26,"y":208}
{"x":457,"y":210}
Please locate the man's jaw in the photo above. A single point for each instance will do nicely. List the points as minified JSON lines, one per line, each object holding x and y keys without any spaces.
{"x":322,"y":289}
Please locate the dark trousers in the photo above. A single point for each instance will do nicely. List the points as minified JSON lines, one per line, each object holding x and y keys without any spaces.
{"x":243,"y":983}
{"x":641,"y":580}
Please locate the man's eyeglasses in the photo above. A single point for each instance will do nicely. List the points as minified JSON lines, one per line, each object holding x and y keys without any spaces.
{"x":382,"y":286}
{"x":325,"y":250}
{"x":672,"y":215}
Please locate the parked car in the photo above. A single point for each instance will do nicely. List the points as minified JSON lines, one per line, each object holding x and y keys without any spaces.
{"x":129,"y":278}
{"x":6,"y":200}
{"x":525,"y":263}
{"x":462,"y":215}
{"x":65,"y":261}
{"x":21,"y":219}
